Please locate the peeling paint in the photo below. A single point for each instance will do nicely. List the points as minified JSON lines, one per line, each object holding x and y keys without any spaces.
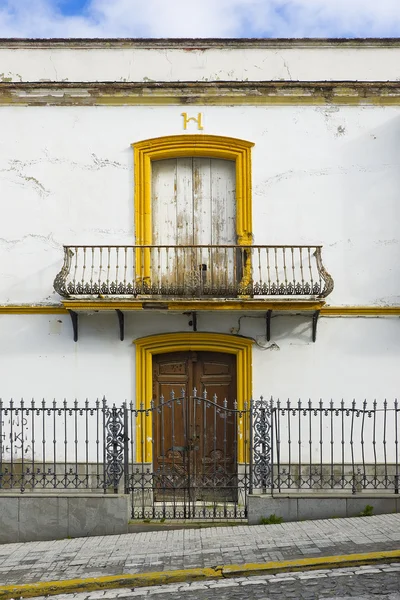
{"x":48,"y":239}
{"x":15,"y":167}
{"x":97,"y":163}
{"x":325,"y":172}
{"x":387,"y":242}
{"x":100,"y":163}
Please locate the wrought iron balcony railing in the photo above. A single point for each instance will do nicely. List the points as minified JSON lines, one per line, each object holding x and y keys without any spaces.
{"x":193,"y":271}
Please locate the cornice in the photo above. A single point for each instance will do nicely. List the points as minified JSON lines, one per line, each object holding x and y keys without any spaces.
{"x":216,"y":93}
{"x":198,"y":43}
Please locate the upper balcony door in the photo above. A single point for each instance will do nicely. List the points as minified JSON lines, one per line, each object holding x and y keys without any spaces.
{"x":194,"y":210}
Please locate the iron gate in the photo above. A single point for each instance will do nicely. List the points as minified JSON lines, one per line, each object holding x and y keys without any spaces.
{"x":187,"y":460}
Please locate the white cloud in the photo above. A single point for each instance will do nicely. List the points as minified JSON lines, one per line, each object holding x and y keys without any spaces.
{"x":203,"y":18}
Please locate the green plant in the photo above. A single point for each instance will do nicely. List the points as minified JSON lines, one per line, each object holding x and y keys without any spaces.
{"x":271,"y":520}
{"x":367,"y":512}
{"x":162,"y":520}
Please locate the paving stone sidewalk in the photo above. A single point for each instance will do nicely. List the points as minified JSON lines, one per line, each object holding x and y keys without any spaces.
{"x":187,"y":548}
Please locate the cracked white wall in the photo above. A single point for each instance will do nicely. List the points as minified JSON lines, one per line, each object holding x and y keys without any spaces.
{"x":352,"y":358}
{"x":321,"y":175}
{"x":228,"y":63}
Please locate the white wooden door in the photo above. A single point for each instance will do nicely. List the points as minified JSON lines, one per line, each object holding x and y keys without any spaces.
{"x":194,"y":204}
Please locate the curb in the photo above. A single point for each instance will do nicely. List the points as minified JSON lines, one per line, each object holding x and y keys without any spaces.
{"x":52,"y":588}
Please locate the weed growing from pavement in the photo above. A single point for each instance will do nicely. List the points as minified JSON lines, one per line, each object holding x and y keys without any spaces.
{"x":271,"y":520}
{"x":367,"y":512}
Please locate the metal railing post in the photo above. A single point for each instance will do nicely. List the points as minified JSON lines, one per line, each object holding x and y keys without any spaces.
{"x":126,"y":448}
{"x":251,"y":467}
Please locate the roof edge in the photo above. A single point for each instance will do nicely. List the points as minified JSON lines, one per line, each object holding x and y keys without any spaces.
{"x":197,"y":43}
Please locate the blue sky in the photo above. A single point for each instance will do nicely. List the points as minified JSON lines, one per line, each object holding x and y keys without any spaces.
{"x":199,"y":18}
{"x":73,"y":7}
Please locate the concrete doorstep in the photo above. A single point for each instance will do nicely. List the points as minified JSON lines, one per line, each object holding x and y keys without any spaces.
{"x":53,"y":588}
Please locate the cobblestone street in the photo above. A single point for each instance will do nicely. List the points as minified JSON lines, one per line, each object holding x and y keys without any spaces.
{"x":159,"y":551}
{"x":377,"y":581}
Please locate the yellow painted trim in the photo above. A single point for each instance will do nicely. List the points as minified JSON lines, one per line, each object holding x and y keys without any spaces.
{"x":181,"y":342}
{"x":245,"y":100}
{"x":69,"y":586}
{"x":302,"y":564}
{"x":174,"y":146}
{"x":373,"y":311}
{"x":15,"y":309}
{"x":202,"y":305}
{"x":244,"y":305}
{"x":191,"y":305}
{"x":102,"y":305}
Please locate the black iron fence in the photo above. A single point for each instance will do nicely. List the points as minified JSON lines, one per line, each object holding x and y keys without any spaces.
{"x":325,"y":446}
{"x":194,"y":457}
{"x":61,"y":445}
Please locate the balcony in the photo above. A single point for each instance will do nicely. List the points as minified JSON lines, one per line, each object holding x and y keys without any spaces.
{"x":264,"y":273}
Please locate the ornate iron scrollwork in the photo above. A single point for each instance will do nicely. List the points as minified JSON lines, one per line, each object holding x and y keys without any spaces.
{"x":262,"y":463}
{"x":114,"y":435}
{"x":60,"y":281}
{"x":327,"y":278}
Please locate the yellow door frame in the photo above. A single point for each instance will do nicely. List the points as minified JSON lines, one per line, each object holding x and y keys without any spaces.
{"x":177,"y":342}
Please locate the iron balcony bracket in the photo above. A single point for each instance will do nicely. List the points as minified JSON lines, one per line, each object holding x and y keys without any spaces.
{"x":268,"y":316}
{"x":193,"y":321}
{"x":74,"y":319}
{"x":314,"y":324}
{"x":268,"y":324}
{"x":121,"y":323}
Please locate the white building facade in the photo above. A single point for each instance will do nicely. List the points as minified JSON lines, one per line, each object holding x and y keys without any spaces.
{"x":230,"y":210}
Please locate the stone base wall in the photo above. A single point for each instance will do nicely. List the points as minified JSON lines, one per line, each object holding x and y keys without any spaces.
{"x":299,"y":507}
{"x":34,"y":517}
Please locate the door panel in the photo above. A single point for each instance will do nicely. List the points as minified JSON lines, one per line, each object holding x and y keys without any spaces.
{"x":193,"y":438}
{"x":214,"y":462}
{"x":223,"y":202}
{"x":184,"y":201}
{"x":170,"y":376}
{"x":202,"y":201}
{"x":223,"y":222}
{"x":164,"y":204}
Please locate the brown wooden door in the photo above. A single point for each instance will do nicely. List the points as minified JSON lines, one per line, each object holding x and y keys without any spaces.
{"x":194,"y":424}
